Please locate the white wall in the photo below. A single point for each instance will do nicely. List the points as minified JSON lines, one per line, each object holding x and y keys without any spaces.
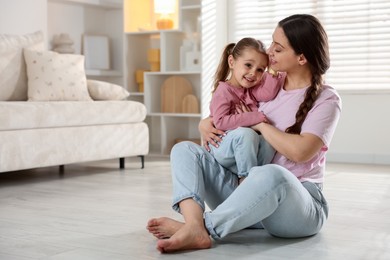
{"x":23,"y":16}
{"x":363,"y":133}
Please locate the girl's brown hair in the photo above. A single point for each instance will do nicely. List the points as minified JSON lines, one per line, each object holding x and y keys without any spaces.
{"x":235,"y":49}
{"x":307,"y":36}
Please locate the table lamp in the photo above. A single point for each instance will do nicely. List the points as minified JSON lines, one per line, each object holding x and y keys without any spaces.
{"x":164,"y":8}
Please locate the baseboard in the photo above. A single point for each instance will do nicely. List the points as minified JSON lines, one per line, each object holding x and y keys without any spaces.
{"x":383,"y":159}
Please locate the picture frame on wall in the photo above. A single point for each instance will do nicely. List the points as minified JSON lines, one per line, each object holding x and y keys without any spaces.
{"x":96,"y":50}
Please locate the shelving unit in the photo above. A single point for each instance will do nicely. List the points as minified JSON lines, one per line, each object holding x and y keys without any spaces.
{"x":93,"y":17}
{"x":98,"y":3}
{"x":141,"y":35}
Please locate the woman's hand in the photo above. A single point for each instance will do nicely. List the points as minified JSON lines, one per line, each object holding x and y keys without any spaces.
{"x":257,"y":127}
{"x":295,"y":147}
{"x":209,"y":134}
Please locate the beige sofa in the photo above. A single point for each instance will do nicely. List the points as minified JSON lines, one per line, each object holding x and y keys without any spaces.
{"x":67,"y":127}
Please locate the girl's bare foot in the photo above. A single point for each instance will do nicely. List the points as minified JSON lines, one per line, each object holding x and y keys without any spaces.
{"x":163,"y":227}
{"x":187,"y":237}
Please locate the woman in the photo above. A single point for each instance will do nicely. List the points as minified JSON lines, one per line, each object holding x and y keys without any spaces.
{"x":284,"y":197}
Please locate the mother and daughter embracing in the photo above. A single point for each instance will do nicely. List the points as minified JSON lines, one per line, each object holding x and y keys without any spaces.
{"x":263,"y":160}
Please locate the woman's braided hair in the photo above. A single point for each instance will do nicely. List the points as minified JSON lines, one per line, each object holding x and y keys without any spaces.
{"x":307,"y":36}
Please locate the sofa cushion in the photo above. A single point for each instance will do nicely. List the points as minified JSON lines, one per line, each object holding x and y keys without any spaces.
{"x":55,"y":77}
{"x":100,"y":90}
{"x":30,"y":115}
{"x":13,"y":77}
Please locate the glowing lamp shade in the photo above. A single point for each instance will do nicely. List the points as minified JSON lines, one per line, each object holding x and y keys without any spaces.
{"x":164,"y":8}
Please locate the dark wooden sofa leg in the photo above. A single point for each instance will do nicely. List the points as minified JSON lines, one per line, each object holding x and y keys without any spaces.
{"x":121,"y":163}
{"x":142,"y":161}
{"x":61,"y":170}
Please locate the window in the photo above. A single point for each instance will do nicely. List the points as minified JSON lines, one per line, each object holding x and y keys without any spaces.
{"x":358,"y":32}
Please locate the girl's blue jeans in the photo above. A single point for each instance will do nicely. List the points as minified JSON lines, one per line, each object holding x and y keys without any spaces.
{"x":271,"y":197}
{"x":241,"y":149}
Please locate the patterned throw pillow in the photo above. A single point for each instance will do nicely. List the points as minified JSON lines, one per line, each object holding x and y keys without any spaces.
{"x":55,"y":77}
{"x":100,"y":90}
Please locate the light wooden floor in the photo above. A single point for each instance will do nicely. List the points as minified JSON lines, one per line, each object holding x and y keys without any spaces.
{"x":96,"y":211}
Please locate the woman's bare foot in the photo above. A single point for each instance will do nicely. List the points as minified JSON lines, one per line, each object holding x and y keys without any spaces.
{"x":187,"y":237}
{"x":163,"y":227}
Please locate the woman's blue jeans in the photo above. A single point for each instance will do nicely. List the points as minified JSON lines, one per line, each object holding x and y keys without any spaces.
{"x":271,"y":197}
{"x":241,"y":149}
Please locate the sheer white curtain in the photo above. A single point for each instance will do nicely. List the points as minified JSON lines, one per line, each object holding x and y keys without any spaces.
{"x":358,"y":31}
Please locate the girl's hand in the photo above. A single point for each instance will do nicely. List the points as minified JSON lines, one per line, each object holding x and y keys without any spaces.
{"x":242,"y":108}
{"x":209,"y":134}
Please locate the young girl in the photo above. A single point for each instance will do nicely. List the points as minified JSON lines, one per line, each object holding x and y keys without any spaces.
{"x":241,"y":80}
